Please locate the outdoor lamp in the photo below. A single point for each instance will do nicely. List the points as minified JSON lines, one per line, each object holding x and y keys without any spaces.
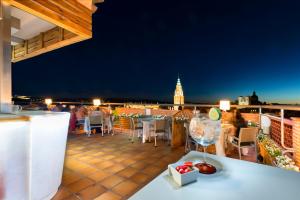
{"x":97,"y":102}
{"x":225,"y":105}
{"x":48,"y":102}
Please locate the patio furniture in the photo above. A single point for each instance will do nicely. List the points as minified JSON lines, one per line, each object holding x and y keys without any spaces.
{"x":158,"y":128}
{"x":221,"y":142}
{"x":32,"y":149}
{"x":246,"y":139}
{"x":95,"y":121}
{"x":135,"y":127}
{"x":175,"y":130}
{"x":147,"y":125}
{"x":236,"y":180}
{"x":107,"y":124}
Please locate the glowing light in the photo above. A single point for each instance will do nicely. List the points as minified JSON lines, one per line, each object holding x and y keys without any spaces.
{"x":97,"y":102}
{"x":48,"y":102}
{"x":225,"y":105}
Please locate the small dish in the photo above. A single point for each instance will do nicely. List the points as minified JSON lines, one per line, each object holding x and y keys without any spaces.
{"x":182,"y":179}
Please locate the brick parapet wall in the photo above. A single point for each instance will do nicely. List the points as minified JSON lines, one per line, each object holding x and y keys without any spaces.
{"x":275,"y":131}
{"x":296,"y":138}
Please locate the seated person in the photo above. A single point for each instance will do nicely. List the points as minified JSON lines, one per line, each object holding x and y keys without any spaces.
{"x":81,"y":114}
{"x":239,"y":122}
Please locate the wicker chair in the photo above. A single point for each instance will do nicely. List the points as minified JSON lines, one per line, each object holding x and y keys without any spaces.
{"x":95,"y":121}
{"x":246,"y":139}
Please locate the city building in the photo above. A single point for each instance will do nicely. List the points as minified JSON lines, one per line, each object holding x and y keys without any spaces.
{"x":249,"y":100}
{"x":254,"y":99}
{"x":178,"y":94}
{"x":244,"y":100}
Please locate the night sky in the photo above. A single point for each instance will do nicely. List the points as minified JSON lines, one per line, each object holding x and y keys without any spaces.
{"x":221,"y":49}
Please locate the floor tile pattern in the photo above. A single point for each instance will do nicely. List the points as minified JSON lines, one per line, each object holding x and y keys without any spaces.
{"x":111,"y":167}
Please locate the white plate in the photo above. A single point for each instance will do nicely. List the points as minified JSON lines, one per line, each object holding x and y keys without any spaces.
{"x":199,"y":159}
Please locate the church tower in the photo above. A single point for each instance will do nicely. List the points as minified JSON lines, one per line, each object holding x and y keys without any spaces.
{"x":178,"y":94}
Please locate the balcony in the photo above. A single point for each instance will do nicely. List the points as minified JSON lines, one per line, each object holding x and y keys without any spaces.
{"x":115,"y":167}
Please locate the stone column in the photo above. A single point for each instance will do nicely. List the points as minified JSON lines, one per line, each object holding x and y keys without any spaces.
{"x":296,"y":139}
{"x":5,"y":58}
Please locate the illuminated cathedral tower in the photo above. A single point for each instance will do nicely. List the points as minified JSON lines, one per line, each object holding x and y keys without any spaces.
{"x":178,"y":94}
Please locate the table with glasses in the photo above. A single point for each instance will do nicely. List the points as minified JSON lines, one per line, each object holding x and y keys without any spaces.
{"x":235,"y":181}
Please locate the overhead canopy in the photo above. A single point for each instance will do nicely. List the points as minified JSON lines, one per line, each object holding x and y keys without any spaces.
{"x":31,"y":27}
{"x":39,"y":26}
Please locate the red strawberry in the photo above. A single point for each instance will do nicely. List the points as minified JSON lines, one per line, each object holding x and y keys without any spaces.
{"x":190,"y":164}
{"x":184,"y":167}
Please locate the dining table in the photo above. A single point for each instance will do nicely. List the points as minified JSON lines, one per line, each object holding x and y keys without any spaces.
{"x":148,"y":124}
{"x":234,"y":180}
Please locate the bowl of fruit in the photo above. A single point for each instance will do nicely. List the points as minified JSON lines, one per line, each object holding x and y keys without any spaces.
{"x":183,"y":173}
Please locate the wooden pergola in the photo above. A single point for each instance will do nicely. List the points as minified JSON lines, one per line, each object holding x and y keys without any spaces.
{"x":32,"y":27}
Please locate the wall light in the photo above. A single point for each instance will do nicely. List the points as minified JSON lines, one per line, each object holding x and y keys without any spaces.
{"x":97,"y":102}
{"x":225,"y":105}
{"x":48,"y":102}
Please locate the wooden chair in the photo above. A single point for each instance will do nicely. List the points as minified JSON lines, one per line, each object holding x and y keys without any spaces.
{"x":246,"y":139}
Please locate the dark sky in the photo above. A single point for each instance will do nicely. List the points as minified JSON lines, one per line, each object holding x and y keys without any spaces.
{"x":221,"y":49}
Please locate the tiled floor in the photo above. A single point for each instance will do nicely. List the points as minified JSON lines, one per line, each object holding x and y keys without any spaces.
{"x":113,"y":168}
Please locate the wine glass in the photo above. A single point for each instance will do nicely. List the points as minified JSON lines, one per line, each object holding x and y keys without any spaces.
{"x":205,"y":132}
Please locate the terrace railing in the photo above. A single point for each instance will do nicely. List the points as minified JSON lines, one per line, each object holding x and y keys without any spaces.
{"x":294,"y":122}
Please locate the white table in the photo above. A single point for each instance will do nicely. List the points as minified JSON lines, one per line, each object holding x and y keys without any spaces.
{"x":239,"y":180}
{"x":147,"y":123}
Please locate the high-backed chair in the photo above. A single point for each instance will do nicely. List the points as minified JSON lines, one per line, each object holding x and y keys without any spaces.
{"x":135,"y":127}
{"x":246,"y":139}
{"x":159,"y":128}
{"x":96,"y":121}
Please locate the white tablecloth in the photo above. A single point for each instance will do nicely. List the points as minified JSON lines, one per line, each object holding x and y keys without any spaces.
{"x":239,"y":180}
{"x":147,"y":129}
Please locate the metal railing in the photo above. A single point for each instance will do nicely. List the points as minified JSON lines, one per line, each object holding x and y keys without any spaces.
{"x":281,"y":108}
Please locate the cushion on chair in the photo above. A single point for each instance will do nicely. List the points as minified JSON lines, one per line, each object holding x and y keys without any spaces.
{"x":236,"y":142}
{"x":96,"y":124}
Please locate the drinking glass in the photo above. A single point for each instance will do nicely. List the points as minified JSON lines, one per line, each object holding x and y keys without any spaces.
{"x":205,"y":132}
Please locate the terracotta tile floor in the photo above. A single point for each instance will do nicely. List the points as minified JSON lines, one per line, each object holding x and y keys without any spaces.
{"x":113,"y":168}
